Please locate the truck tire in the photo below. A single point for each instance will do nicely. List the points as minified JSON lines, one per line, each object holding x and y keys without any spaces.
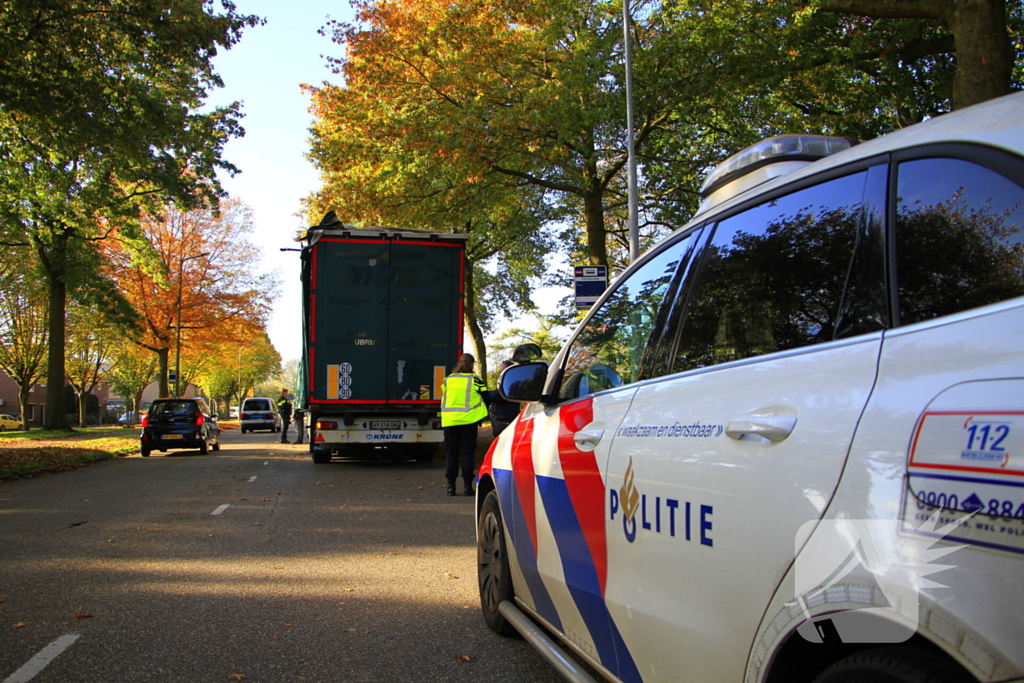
{"x":493,"y":571}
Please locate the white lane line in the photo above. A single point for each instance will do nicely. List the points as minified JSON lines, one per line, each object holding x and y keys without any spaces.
{"x":44,"y":657}
{"x":252,"y":479}
{"x":219,"y":511}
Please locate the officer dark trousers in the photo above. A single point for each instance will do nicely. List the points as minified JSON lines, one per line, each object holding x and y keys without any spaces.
{"x":460,"y":448}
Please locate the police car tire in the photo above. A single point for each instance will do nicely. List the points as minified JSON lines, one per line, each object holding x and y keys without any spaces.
{"x":893,"y":665}
{"x":493,"y":571}
{"x":144,"y":452}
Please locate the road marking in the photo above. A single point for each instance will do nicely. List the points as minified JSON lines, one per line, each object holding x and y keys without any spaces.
{"x":44,"y":657}
{"x":252,"y":479}
{"x":219,"y":511}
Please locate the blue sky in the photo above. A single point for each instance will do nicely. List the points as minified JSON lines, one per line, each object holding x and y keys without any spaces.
{"x":264,"y":72}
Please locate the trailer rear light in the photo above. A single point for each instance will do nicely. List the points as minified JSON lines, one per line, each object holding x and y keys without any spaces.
{"x":436,"y":424}
{"x":324,"y":424}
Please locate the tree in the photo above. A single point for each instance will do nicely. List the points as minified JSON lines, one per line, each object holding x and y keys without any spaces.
{"x":132,"y":370}
{"x":202,"y":285}
{"x":984,"y":50}
{"x":522,"y":93}
{"x":90,"y":345}
{"x":23,"y":331}
{"x":101,"y":118}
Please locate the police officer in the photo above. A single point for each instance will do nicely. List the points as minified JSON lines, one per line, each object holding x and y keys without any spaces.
{"x":284,"y":408}
{"x":463,"y":406}
{"x":503,"y":412}
{"x":300,"y":425}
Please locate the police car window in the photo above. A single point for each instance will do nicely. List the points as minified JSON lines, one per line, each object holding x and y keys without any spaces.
{"x":609,"y":350}
{"x":802,"y":269}
{"x":959,"y":238}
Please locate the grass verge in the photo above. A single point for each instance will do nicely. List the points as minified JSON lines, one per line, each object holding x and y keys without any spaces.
{"x":27,"y":453}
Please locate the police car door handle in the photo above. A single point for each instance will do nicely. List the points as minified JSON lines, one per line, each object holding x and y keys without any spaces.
{"x":587,"y":439}
{"x":771,"y":427}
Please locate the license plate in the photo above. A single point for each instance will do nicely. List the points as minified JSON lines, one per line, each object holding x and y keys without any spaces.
{"x":171,"y":436}
{"x":385,"y":425}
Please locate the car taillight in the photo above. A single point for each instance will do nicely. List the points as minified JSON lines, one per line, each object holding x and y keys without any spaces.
{"x":200,"y":419}
{"x":323,"y":424}
{"x":145,"y":420}
{"x":245,"y":416}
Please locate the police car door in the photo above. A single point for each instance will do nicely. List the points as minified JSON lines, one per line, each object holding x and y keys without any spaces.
{"x":715,"y":468}
{"x":559,"y":456}
{"x":949,"y":402}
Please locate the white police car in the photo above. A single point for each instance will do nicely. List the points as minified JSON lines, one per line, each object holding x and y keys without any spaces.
{"x":788,"y":443}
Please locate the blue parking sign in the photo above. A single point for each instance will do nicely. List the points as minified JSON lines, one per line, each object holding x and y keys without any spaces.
{"x":591,"y":281}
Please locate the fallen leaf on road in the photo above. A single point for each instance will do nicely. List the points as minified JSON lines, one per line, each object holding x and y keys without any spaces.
{"x":267,"y":500}
{"x":383,"y":540}
{"x":419,"y":488}
{"x":316,"y":531}
{"x":20,"y":624}
{"x":209,"y":535}
{"x":111,"y":540}
{"x":287,"y":625}
{"x":349,"y":590}
{"x":450,"y":575}
{"x":257,"y":523}
{"x":466,"y":658}
{"x":378,"y":556}
{"x":79,"y":614}
{"x":237,"y":677}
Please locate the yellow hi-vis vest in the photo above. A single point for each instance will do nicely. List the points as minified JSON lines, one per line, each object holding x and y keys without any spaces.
{"x":461,"y":403}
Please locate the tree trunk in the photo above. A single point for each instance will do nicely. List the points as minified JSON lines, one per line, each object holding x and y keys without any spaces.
{"x":83,"y":409}
{"x":593,"y":212}
{"x":476,"y":334}
{"x":56,"y":417}
{"x":984,"y":56}
{"x":164,"y":389}
{"x":23,"y":404}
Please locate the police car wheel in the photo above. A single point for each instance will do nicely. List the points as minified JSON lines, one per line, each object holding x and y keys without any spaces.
{"x":145,"y":453}
{"x":493,"y":570}
{"x":893,"y":665}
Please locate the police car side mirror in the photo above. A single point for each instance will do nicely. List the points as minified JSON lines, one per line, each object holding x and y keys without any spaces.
{"x":523,"y":383}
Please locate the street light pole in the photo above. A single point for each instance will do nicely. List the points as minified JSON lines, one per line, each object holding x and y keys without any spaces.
{"x":634,"y":229}
{"x":177,"y":352}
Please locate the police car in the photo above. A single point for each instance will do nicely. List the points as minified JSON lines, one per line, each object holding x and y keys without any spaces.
{"x":788,"y":443}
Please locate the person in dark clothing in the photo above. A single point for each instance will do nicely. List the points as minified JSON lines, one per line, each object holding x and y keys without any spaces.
{"x":502,"y":412}
{"x":284,"y":409}
{"x":300,"y":425}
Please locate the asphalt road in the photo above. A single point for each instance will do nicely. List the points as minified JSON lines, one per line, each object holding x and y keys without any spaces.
{"x":333,"y":573}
